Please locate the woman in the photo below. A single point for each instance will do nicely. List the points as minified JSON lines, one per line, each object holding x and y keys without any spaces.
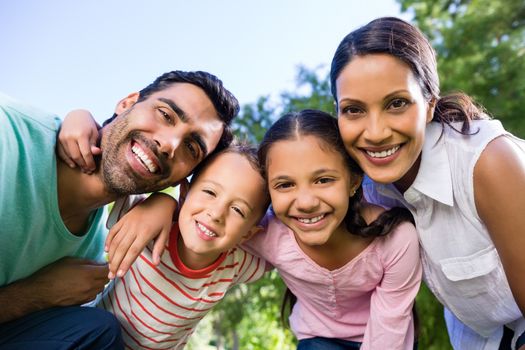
{"x":460,"y":174}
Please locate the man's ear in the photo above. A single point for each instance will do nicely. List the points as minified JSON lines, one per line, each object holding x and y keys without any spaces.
{"x":126,"y":102}
{"x":255,"y":229}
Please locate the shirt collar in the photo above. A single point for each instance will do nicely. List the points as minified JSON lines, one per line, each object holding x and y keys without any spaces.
{"x":177,"y":261}
{"x":434,"y":177}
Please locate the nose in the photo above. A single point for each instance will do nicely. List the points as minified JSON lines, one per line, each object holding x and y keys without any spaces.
{"x":377,"y":128}
{"x":306,"y":201}
{"x":169,"y":140}
{"x":217,"y":212}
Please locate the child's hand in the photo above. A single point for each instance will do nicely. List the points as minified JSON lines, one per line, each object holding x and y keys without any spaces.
{"x":151,"y":219}
{"x":77,"y":140}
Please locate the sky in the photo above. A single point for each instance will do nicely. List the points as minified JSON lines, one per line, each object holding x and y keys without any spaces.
{"x":61,"y":54}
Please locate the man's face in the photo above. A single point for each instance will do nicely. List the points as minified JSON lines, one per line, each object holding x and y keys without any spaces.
{"x":154,"y":143}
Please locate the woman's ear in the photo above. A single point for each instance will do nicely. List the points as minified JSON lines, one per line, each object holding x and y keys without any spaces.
{"x":127,"y":102}
{"x":430,"y":109}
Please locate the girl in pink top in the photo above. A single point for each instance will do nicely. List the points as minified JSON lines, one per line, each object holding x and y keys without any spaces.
{"x":353,"y":267}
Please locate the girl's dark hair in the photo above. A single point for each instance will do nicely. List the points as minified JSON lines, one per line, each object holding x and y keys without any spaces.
{"x":324,"y":127}
{"x":393,"y":36}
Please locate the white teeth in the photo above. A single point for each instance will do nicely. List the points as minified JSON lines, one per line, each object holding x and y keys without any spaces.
{"x":383,"y":154}
{"x":144,"y":159}
{"x":206,"y":231}
{"x":311,"y":220}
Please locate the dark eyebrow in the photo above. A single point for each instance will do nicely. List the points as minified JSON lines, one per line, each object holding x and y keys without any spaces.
{"x":388,"y":96}
{"x":324,"y":171}
{"x":392,"y":94}
{"x":183,"y":118}
{"x":182,"y":115}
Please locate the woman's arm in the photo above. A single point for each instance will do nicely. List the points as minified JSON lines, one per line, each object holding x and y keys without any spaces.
{"x":499,"y":190}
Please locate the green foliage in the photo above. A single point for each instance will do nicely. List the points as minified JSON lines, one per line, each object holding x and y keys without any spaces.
{"x":480,"y":46}
{"x":253,"y":120}
{"x":247,"y":318}
{"x":432,"y":329}
{"x":313,"y":92}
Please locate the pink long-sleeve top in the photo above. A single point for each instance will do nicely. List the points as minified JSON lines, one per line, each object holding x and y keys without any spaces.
{"x":368,"y":300}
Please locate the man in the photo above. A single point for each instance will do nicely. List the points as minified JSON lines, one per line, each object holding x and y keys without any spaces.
{"x":52,"y":230}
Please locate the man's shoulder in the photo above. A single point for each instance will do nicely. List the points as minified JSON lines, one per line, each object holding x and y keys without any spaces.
{"x":20,"y":113}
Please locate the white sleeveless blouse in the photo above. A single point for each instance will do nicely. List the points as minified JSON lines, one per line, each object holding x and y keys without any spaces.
{"x":460,"y":263}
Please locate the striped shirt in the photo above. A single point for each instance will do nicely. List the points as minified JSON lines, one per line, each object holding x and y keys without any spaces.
{"x":159,"y":306}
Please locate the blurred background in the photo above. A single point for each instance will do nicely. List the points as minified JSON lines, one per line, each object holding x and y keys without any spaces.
{"x":274,"y":56}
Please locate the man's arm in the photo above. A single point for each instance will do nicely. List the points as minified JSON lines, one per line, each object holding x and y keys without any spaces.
{"x":68,"y":281}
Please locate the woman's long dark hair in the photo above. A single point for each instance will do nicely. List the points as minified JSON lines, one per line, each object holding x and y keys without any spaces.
{"x":393,"y":36}
{"x":324,"y":127}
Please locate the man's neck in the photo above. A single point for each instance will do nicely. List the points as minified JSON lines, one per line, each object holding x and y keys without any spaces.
{"x":79,"y":195}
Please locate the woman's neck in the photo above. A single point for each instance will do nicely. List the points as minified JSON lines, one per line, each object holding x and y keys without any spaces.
{"x":408,"y":179}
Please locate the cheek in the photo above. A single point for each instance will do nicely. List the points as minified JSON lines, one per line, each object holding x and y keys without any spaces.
{"x":347,"y":131}
{"x":418,"y":124}
{"x":278,"y":203}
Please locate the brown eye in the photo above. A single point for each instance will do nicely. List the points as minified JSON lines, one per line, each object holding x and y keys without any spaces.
{"x":351,"y":111}
{"x":238,"y":211}
{"x":192,"y":149}
{"x":325,"y":180}
{"x":165,"y":115}
{"x":398,"y":103}
{"x":209,"y":192}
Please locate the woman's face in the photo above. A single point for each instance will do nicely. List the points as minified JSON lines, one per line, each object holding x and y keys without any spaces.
{"x":382,"y":116}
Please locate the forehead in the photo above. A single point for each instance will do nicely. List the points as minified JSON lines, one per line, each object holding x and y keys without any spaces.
{"x":375,"y":73}
{"x":235,"y":175}
{"x":303,"y":156}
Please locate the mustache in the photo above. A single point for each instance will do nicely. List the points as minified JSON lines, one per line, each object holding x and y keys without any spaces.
{"x":165,"y":169}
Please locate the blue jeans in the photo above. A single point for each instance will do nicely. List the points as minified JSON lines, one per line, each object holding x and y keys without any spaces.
{"x":320,"y":343}
{"x":63,"y":328}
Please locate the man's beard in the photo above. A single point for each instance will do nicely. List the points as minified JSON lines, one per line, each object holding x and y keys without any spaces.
{"x":118,"y":178}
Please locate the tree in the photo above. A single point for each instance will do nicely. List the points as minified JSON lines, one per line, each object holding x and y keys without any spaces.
{"x":480,"y":45}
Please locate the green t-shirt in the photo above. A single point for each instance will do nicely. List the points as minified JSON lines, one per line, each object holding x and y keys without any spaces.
{"x":32,"y":233}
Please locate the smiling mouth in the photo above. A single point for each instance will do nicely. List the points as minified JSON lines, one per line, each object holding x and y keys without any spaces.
{"x":205,"y":230}
{"x":311,"y":220}
{"x":143,"y":159}
{"x":384,"y":153}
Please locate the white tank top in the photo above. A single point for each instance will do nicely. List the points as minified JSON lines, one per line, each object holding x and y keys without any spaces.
{"x":460,"y":263}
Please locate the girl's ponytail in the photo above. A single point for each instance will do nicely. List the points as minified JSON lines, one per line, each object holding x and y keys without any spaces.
{"x":385,"y":223}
